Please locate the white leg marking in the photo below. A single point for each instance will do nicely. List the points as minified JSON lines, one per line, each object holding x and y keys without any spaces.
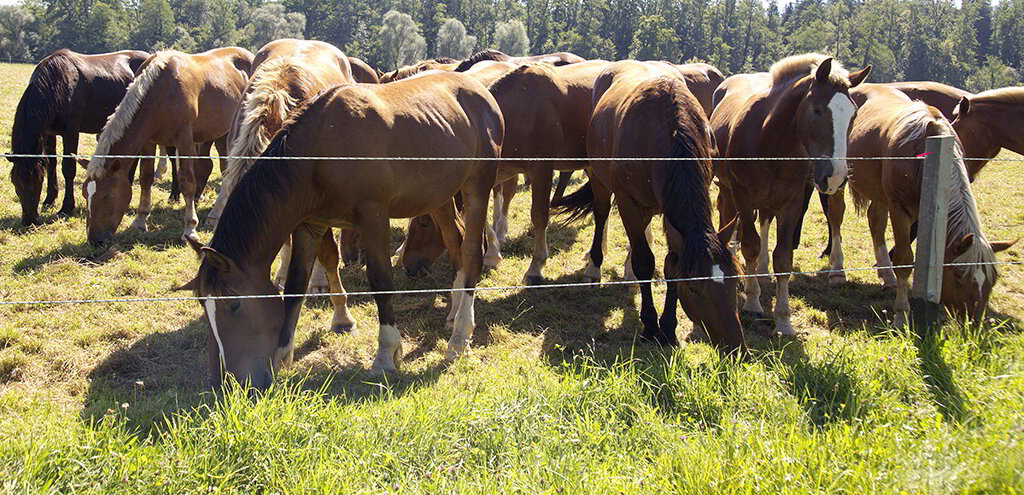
{"x":465,"y":322}
{"x":211,"y":313}
{"x":460,"y":282}
{"x":389,"y":356}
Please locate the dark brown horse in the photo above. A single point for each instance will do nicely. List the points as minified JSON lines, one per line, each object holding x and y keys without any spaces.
{"x":800,"y":109}
{"x":702,"y":80}
{"x":645,"y":110}
{"x":546,"y":111}
{"x":68,"y":93}
{"x":176,"y":100}
{"x":444,"y":115}
{"x":557,"y":59}
{"x":892,"y":125}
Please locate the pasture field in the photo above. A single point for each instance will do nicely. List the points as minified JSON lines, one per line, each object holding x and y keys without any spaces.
{"x":557,"y":395}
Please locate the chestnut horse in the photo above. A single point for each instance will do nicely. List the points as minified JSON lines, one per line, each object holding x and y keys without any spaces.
{"x":645,"y":110}
{"x":943,"y":97}
{"x":890,"y":124}
{"x":176,"y":100}
{"x":800,"y":109}
{"x":547,"y":111}
{"x":68,"y":93}
{"x":442,"y":115}
{"x":557,"y":59}
{"x":441,"y":63}
{"x":362,"y":72}
{"x":702,"y":80}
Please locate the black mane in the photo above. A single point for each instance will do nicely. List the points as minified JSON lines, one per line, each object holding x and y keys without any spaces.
{"x":49,"y":91}
{"x":488,"y":54}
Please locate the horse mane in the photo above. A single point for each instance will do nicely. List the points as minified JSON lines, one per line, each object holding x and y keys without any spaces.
{"x":918,"y":121}
{"x":123,"y":115}
{"x":488,"y":54}
{"x":268,"y":101}
{"x":687,"y":203}
{"x":49,"y":91}
{"x":445,"y":60}
{"x":1011,"y":95}
{"x":799,"y":66}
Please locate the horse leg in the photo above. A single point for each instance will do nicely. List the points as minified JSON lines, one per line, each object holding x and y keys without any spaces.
{"x":789,"y":223}
{"x":202,"y":168}
{"x":824,"y":200}
{"x":602,"y":208}
{"x":902,"y":257}
{"x":172,"y":151}
{"x":765,"y":218}
{"x":628,"y":273}
{"x":187,"y":182}
{"x":318,"y":282}
{"x":564,"y":177}
{"x":146,"y":173}
{"x":161,"y":166}
{"x":834,"y":216}
{"x":878,"y":219}
{"x":668,"y":321}
{"x":349,"y":241}
{"x":221,"y":144}
{"x":503,"y":194}
{"x":50,"y":148}
{"x":375,"y":233}
{"x":636,"y":223}
{"x":540,"y":211}
{"x":475,"y":214}
{"x":444,"y":218}
{"x":327,"y":257}
{"x":304,"y":251}
{"x":750,"y":245}
{"x":286,"y":257}
{"x":225,"y":188}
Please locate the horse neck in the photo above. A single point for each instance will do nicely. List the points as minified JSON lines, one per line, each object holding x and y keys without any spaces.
{"x":777,"y":136}
{"x":1002,"y":128}
{"x":32,"y":116}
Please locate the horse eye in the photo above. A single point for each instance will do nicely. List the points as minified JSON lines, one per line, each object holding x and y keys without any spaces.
{"x":235,"y":306}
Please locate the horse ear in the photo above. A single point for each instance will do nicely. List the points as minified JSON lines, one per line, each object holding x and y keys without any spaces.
{"x":963,"y":107}
{"x":83,"y":163}
{"x":195,"y":245}
{"x":998,"y":246}
{"x":222,"y":263}
{"x":860,"y":76}
{"x":725,"y":235}
{"x":960,"y":246}
{"x":191,"y":285}
{"x":824,"y":71}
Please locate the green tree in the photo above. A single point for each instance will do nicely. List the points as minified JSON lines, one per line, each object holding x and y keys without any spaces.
{"x":994,"y":74}
{"x":271,"y":22}
{"x":654,"y":40}
{"x":400,"y":40}
{"x":16,"y":37}
{"x":510,"y":37}
{"x":156,"y":25}
{"x":452,"y":40}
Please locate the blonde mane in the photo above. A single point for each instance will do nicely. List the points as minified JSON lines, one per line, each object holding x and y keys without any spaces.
{"x":1011,"y":95}
{"x":268,"y":100}
{"x":799,"y":66}
{"x":123,"y":115}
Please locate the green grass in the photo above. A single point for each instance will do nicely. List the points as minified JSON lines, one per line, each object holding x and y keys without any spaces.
{"x":557,"y":395}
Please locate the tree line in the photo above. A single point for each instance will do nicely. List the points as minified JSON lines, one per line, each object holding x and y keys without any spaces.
{"x":976,"y":44}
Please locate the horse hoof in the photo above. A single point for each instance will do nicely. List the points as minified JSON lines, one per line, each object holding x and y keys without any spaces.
{"x":454,"y":352}
{"x":900,"y":320}
{"x":344,"y":328}
{"x":837,"y":278}
{"x":785,"y":328}
{"x":49,"y":202}
{"x":753,"y":306}
{"x":492,"y":261}
{"x":533,"y":280}
{"x":388,"y":363}
{"x":140,"y":226}
{"x":191,"y":235}
{"x":66,"y":212}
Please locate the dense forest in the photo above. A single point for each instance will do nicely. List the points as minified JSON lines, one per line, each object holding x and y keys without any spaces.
{"x":975,"y":44}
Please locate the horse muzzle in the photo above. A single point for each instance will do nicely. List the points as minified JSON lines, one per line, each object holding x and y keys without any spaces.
{"x":825,"y":176}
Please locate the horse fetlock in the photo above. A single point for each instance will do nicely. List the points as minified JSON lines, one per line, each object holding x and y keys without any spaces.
{"x":343,"y":322}
{"x":592,"y":273}
{"x":140,"y":224}
{"x":753,"y":304}
{"x":784,"y":326}
{"x":389,"y":355}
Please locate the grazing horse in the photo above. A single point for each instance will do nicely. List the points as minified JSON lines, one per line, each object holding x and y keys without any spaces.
{"x":557,"y":59}
{"x":176,"y":100}
{"x":362,"y":72}
{"x":440,"y":115}
{"x":800,"y":109}
{"x":547,"y":110}
{"x":941,"y":96}
{"x":441,"y":63}
{"x":68,"y":93}
{"x":290,"y":72}
{"x":890,"y":124}
{"x":645,"y":110}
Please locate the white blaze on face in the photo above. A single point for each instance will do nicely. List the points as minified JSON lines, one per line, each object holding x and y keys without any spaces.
{"x":842,"y":109}
{"x":211,"y":313}
{"x":717,"y":274}
{"x":90,"y":190}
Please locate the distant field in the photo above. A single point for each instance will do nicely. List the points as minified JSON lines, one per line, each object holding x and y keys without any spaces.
{"x":557,"y":395}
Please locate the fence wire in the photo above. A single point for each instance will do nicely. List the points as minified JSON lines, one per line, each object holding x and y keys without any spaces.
{"x":474,"y":289}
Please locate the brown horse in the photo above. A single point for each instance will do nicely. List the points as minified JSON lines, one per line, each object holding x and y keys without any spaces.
{"x":176,"y":100}
{"x":988,"y":122}
{"x":702,"y":81}
{"x":557,"y":59}
{"x":442,"y":64}
{"x":68,"y":93}
{"x":444,"y":115}
{"x":800,"y":109}
{"x":362,"y":72}
{"x":890,"y":124}
{"x":645,"y":110}
{"x":547,"y":111}
{"x":941,"y":96}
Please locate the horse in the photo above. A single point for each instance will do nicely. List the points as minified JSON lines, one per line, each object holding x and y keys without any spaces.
{"x":547,"y":110}
{"x":440,"y":63}
{"x":943,"y":97}
{"x":68,"y":93}
{"x":176,"y":100}
{"x":702,"y":80}
{"x":434,"y":114}
{"x":557,"y":59}
{"x":890,"y":124}
{"x":644,"y":109}
{"x":290,"y":72}
{"x":362,"y":72}
{"x":800,"y":109}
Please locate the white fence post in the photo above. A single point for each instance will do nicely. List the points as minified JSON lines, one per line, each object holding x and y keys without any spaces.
{"x":933,"y":214}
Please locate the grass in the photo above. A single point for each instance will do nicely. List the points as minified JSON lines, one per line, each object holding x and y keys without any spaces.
{"x":557,"y":395}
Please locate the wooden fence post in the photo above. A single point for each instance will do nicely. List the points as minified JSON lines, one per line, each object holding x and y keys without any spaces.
{"x":925,"y":308}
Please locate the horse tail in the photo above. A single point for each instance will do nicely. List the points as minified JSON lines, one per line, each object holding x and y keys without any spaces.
{"x":577,"y":205}
{"x":264,"y":111}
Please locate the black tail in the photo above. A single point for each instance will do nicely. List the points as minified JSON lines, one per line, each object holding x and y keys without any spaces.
{"x":577,"y":205}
